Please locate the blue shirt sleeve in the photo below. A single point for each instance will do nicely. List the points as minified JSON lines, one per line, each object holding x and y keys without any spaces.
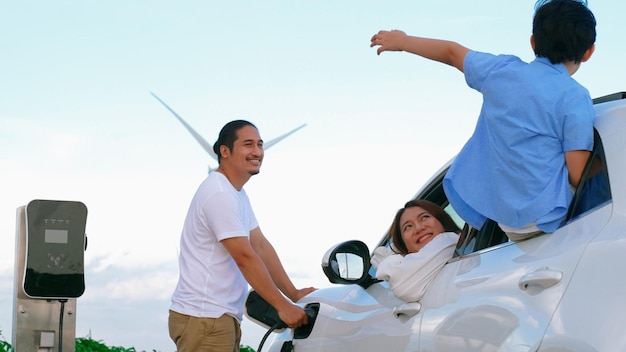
{"x":477,"y":66}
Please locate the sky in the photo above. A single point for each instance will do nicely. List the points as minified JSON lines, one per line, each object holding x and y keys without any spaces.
{"x":77,"y":122}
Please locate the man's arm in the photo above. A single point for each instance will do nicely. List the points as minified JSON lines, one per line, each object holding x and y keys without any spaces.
{"x":272,"y":262}
{"x":444,"y":51}
{"x":256,"y":274}
{"x":576,"y":161}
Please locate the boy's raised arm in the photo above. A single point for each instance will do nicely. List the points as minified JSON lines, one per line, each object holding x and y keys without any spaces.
{"x":444,"y":51}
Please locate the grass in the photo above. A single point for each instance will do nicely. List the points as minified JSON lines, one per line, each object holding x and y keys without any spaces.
{"x":87,"y":344}
{"x":4,"y":346}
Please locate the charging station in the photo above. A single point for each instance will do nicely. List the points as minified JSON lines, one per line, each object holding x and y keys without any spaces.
{"x":50,"y":245}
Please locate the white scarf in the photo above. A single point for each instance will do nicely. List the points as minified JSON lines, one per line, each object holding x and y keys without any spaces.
{"x":410,"y":275}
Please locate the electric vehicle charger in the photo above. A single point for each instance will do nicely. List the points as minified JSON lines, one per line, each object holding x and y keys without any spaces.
{"x":258,"y":310}
{"x":50,"y":246}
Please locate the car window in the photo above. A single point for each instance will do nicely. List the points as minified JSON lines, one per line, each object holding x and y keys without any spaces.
{"x":594,"y":189}
{"x":473,"y":240}
{"x":592,"y":192}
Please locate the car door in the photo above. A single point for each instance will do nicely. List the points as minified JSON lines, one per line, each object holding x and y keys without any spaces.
{"x":503,"y":297}
{"x":354,"y":318}
{"x":500,"y":296}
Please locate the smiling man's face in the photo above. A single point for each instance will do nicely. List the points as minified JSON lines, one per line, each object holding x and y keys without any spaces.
{"x":247,"y":153}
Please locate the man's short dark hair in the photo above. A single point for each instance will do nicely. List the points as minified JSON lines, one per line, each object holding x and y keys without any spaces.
{"x":228,"y":136}
{"x":563,"y":30}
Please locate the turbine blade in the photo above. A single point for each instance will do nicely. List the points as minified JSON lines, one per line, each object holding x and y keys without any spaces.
{"x":271,"y":142}
{"x":208,"y":147}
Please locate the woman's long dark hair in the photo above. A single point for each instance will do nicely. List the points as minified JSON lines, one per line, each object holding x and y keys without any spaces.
{"x":395,"y":233}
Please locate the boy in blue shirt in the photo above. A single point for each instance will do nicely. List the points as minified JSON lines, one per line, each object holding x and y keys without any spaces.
{"x":535,"y":129}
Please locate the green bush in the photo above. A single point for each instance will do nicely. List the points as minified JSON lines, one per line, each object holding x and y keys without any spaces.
{"x":87,"y":344}
{"x":5,"y":346}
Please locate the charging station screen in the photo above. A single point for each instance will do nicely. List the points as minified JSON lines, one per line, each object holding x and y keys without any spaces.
{"x":56,"y":236}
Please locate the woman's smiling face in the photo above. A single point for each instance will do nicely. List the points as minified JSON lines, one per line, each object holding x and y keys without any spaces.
{"x":418,"y":227}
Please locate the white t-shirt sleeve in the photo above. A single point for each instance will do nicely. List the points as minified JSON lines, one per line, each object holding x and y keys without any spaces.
{"x":228,"y":216}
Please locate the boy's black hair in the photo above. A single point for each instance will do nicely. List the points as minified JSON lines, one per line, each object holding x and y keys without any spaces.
{"x":563,"y":30}
{"x":228,"y":136}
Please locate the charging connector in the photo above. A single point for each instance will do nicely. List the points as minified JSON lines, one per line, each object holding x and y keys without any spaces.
{"x":311,"y":311}
{"x":257,"y":309}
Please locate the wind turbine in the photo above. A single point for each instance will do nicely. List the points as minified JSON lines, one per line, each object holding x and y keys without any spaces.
{"x":208,"y":147}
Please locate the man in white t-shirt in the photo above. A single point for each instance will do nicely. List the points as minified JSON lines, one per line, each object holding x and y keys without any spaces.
{"x":222,"y":250}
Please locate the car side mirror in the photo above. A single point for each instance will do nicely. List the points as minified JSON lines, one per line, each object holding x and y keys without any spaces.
{"x":348,"y":263}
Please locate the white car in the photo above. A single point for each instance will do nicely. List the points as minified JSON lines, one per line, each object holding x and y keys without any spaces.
{"x":564,"y":291}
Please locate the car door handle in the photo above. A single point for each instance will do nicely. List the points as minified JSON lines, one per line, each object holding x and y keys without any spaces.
{"x":543,"y":278}
{"x":406,"y":311}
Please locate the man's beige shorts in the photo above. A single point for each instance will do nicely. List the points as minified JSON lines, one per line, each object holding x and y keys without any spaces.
{"x":191,"y":334}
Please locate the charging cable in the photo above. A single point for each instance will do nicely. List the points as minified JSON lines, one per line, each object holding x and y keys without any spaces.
{"x":310,"y":313}
{"x":278,"y":325}
{"x":61,"y":314}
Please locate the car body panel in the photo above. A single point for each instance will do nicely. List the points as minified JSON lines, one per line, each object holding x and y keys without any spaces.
{"x":478,"y":302}
{"x":592,"y":313}
{"x":353,"y":312}
{"x":563,"y":291}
